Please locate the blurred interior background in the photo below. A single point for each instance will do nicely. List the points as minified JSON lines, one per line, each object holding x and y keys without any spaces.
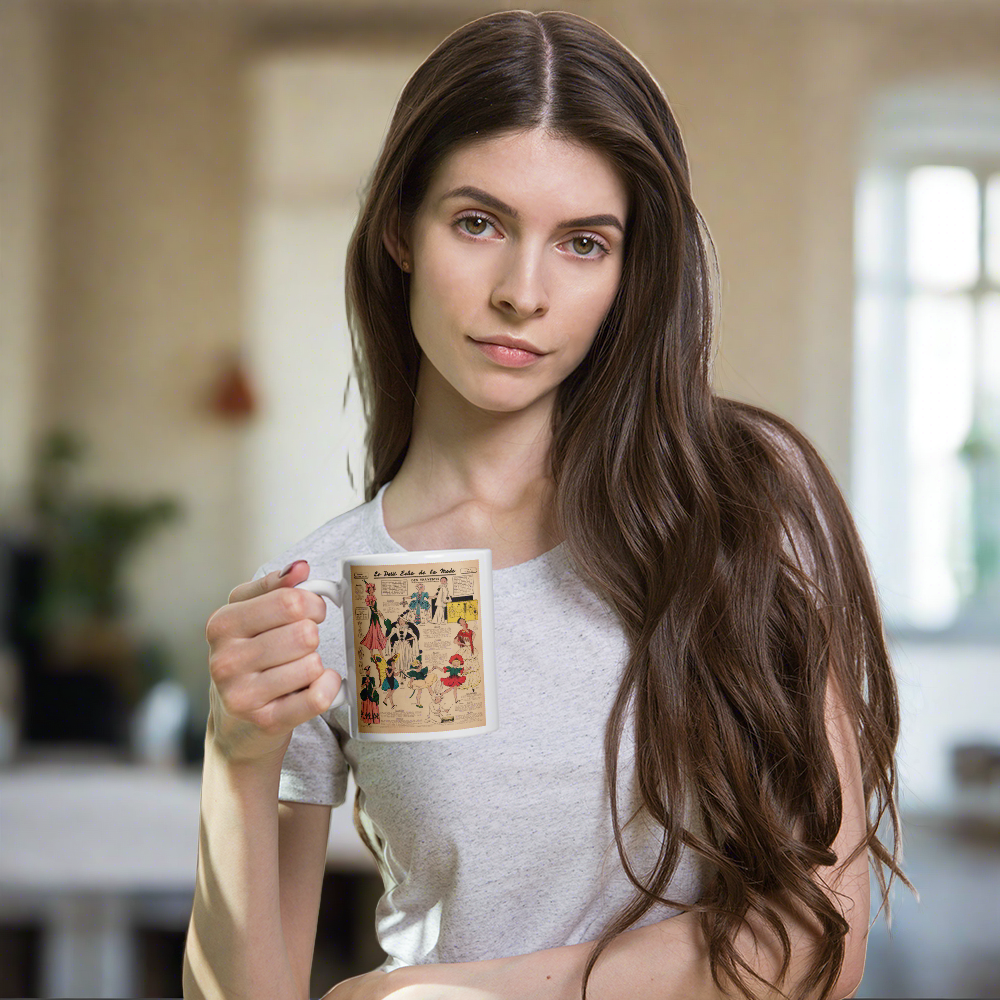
{"x":178,"y":182}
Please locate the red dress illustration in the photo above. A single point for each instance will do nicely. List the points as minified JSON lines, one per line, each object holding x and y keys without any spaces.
{"x":456,"y":672}
{"x":375,"y":637}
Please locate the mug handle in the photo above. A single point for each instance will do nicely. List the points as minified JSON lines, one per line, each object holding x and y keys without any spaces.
{"x":332,"y":590}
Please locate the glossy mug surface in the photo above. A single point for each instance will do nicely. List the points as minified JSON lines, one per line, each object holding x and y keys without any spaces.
{"x":418,"y":636}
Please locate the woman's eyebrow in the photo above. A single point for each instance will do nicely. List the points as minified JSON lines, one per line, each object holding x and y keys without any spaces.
{"x":468,"y":191}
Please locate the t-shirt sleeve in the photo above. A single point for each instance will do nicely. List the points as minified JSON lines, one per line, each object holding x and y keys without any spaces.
{"x":314,"y":769}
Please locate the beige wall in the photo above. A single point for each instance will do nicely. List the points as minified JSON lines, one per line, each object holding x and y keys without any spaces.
{"x":25,"y":158}
{"x":147,"y":230}
{"x":146,"y":275}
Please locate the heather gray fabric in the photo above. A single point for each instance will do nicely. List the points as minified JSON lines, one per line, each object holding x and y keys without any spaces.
{"x":497,"y":844}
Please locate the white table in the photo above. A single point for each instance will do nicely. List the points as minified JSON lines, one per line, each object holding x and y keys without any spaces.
{"x":87,"y":847}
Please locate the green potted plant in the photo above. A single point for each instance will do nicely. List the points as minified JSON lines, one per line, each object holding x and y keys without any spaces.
{"x":87,"y":541}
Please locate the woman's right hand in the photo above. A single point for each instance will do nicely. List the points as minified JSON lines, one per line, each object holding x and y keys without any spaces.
{"x":266,"y":673}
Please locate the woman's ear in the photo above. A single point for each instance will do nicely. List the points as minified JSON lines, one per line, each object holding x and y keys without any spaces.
{"x":395,"y":243}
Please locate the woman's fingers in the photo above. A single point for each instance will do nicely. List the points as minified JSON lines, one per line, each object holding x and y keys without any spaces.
{"x":282,"y":714}
{"x":291,"y":576}
{"x":261,"y":613}
{"x":257,"y":689}
{"x":276,"y":646}
{"x":266,"y":674}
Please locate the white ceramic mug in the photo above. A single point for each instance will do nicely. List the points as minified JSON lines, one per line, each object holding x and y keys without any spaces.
{"x":418,"y":634}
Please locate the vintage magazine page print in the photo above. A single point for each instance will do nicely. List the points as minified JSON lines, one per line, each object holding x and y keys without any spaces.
{"x":418,"y":650}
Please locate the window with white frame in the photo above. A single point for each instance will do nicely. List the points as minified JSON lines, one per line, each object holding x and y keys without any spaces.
{"x":926,"y":477}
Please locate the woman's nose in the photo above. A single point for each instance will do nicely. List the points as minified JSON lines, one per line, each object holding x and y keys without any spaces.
{"x":521,"y":287}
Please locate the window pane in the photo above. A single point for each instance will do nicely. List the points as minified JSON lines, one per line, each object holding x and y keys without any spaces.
{"x":940,"y":375}
{"x":938,"y":541}
{"x":942,"y":211}
{"x":879,"y":483}
{"x":876,"y":196}
{"x":982,"y":458}
{"x":993,"y":228}
{"x":989,"y":361}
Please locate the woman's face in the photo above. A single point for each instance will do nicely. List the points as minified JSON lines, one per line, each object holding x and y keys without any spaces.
{"x":520,"y":236}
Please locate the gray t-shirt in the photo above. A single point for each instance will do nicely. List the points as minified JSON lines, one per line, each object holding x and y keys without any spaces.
{"x":499,"y":844}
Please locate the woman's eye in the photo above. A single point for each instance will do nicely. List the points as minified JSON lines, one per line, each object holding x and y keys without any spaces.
{"x":586,"y":245}
{"x":477,"y":222}
{"x":583,"y":246}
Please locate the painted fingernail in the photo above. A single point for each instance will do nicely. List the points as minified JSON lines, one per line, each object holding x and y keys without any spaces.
{"x":290,"y":567}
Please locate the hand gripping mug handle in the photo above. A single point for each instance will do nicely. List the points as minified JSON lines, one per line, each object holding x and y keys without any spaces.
{"x":332,"y":591}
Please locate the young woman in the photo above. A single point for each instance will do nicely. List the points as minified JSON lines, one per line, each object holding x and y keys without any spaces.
{"x":699,"y":714}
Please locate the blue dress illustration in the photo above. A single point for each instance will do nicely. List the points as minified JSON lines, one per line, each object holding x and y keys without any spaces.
{"x":419,"y":601}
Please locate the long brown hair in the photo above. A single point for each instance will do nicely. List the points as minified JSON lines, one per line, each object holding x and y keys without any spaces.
{"x":712,"y":527}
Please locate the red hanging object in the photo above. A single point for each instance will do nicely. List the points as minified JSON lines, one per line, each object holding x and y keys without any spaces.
{"x":233,"y":398}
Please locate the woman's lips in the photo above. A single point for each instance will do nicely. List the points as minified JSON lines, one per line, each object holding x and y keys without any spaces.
{"x":509,"y":357}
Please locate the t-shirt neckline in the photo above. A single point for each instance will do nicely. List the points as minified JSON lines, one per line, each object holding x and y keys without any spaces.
{"x":382,"y":541}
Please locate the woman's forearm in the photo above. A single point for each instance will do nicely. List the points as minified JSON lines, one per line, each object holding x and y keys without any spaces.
{"x":235,"y":945}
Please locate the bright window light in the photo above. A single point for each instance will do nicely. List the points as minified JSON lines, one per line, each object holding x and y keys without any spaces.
{"x":942,"y":212}
{"x":927,"y":390}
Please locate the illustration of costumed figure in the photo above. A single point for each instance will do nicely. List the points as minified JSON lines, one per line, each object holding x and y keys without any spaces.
{"x":417,"y":673}
{"x":441,"y":598}
{"x":389,"y":681}
{"x":456,"y":673}
{"x":375,"y":638}
{"x":369,"y":692}
{"x":404,"y":640}
{"x":431,"y":683}
{"x":466,"y":638}
{"x":473,"y":674}
{"x":452,"y":681}
{"x":419,"y":601}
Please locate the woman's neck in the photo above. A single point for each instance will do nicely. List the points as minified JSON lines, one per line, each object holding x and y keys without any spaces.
{"x":418,"y":516}
{"x":479,"y":482}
